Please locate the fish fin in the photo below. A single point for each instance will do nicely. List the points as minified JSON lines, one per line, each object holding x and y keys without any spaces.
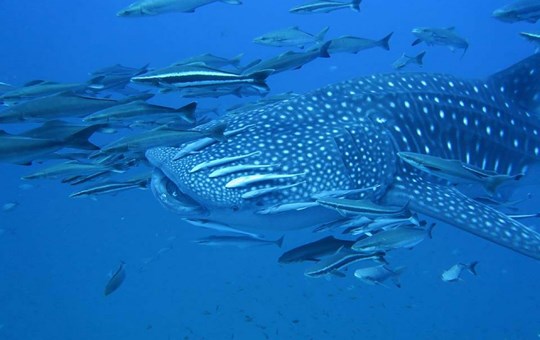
{"x":236,"y":59}
{"x":355,"y":5}
{"x":217,"y":132}
{"x":260,"y":78}
{"x":385,"y":42}
{"x":430,"y":230}
{"x":188,"y":111}
{"x":464,"y":51}
{"x":493,"y":182}
{"x":232,"y":2}
{"x":80,"y":140}
{"x":279,"y":241}
{"x":449,"y":205}
{"x":420,"y":58}
{"x":416,"y":42}
{"x":472,"y":267}
{"x":34,"y":82}
{"x":520,"y":82}
{"x":380,"y":259}
{"x":323,"y":51}
{"x":146,"y":11}
{"x":138,"y":97}
{"x":321,"y":34}
{"x":251,"y":64}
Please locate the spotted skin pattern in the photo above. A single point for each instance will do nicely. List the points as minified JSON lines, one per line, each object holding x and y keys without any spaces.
{"x":346,"y":136}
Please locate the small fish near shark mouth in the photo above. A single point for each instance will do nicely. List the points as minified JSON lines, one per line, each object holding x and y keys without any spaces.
{"x":277,"y":163}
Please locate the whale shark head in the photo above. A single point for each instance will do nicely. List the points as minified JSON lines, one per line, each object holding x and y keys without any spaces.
{"x":276,"y":161}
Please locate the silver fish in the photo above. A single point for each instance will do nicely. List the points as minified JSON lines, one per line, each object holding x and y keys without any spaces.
{"x":65,"y":104}
{"x":453,"y":274}
{"x":139,"y":108}
{"x":350,"y":44}
{"x":238,"y":241}
{"x":519,"y":10}
{"x":220,"y":227}
{"x":291,"y":60}
{"x":155,"y":7}
{"x":363,"y":207}
{"x":243,"y":181}
{"x":199,"y":76}
{"x":116,"y":279}
{"x":321,"y":6}
{"x":440,"y":36}
{"x":405,"y":60}
{"x":112,"y":188}
{"x":211,"y":60}
{"x":314,"y":251}
{"x":403,"y":237}
{"x":456,"y":171}
{"x":378,"y":274}
{"x":341,"y":259}
{"x":290,"y":37}
{"x":24,"y":150}
{"x":39,"y":88}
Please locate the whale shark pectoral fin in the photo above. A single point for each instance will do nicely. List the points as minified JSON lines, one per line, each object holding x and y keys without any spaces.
{"x":449,"y":205}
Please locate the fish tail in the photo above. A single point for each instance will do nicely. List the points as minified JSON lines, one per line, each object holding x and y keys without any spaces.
{"x":420,"y":58}
{"x":430,"y":230}
{"x":320,"y":36}
{"x":259,"y":78}
{"x":494,"y":182}
{"x":80,"y":140}
{"x":472,"y":267}
{"x":323,"y":51}
{"x":217,"y":132}
{"x":464,"y":51}
{"x":235,"y":61}
{"x":520,"y":83}
{"x":279,"y":242}
{"x":232,"y":2}
{"x":385,"y":42}
{"x":188,"y":111}
{"x":355,"y":5}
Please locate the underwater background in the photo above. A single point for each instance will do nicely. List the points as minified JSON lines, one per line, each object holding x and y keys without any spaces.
{"x":56,"y":252}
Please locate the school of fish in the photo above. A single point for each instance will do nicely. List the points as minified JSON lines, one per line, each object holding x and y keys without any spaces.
{"x":373,"y":162}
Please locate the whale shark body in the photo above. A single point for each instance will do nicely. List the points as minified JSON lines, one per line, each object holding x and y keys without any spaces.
{"x":276,"y":160}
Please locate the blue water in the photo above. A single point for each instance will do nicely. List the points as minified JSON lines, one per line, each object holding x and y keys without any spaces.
{"x":56,"y":252}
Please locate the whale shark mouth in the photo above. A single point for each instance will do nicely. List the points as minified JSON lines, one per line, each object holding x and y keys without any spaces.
{"x":172,"y":197}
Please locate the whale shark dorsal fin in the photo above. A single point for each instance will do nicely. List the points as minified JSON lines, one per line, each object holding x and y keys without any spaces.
{"x":465,"y":213}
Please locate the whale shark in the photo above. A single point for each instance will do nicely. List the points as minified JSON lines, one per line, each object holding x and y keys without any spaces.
{"x":278,"y":160}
